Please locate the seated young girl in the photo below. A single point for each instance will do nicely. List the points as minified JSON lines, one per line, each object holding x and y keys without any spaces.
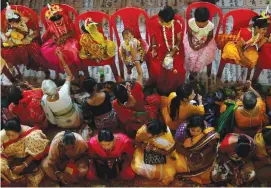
{"x":245,"y":51}
{"x":93,"y":44}
{"x":196,"y":152}
{"x":129,"y":41}
{"x":199,"y":44}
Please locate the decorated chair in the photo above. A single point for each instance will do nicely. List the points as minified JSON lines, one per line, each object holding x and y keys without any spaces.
{"x":241,"y":18}
{"x":213,"y":9}
{"x":97,"y":17}
{"x":264,"y":61}
{"x":33,"y":24}
{"x":66,"y":8}
{"x":130,"y":17}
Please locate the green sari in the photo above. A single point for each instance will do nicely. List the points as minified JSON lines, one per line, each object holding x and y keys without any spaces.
{"x":226,"y":121}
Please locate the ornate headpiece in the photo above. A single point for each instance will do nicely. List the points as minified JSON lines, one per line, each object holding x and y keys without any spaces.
{"x":88,"y":23}
{"x":52,"y":10}
{"x":10,"y":14}
{"x":265,"y":14}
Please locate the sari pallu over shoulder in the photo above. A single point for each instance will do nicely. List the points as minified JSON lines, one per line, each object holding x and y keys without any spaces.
{"x":206,"y":145}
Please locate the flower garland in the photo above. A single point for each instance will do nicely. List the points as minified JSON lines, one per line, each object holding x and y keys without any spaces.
{"x":254,"y":39}
{"x":165,"y":36}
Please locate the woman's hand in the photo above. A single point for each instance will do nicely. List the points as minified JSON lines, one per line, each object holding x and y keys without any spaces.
{"x":149,"y":147}
{"x":18,"y":169}
{"x":199,"y":98}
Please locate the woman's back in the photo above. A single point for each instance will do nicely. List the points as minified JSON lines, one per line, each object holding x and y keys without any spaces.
{"x":100,"y":105}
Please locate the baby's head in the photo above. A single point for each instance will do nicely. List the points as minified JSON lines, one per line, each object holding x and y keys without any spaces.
{"x":202,"y":16}
{"x":127,"y":34}
{"x":196,"y":125}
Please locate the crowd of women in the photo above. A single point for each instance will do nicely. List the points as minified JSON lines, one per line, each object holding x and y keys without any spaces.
{"x":223,"y":137}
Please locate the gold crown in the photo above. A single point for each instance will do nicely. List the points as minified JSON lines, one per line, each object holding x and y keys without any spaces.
{"x":52,"y":9}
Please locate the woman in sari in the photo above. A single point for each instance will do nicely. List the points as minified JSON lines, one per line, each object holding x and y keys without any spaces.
{"x":176,"y":108}
{"x":58,"y":106}
{"x":263,"y":156}
{"x":111,"y":156}
{"x":22,"y":148}
{"x":245,"y":50}
{"x":26,"y":106}
{"x":27,"y":52}
{"x":166,"y":56}
{"x":196,"y":144}
{"x":100,"y":106}
{"x":234,"y":164}
{"x":152,"y":158}
{"x":60,"y":35}
{"x":131,"y":107}
{"x":251,"y":116}
{"x":67,"y":161}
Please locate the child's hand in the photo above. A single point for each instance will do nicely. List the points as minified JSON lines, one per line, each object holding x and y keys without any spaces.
{"x":154,"y":52}
{"x":240,"y":42}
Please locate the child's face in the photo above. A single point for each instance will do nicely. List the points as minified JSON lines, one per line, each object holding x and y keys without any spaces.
{"x":202,"y":24}
{"x":128,"y":36}
{"x":195,"y":131}
{"x":261,"y":31}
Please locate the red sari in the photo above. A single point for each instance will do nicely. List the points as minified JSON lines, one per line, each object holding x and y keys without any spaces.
{"x":123,"y":144}
{"x":165,"y":79}
{"x":29,"y":110}
{"x":70,"y":48}
{"x":128,"y":116}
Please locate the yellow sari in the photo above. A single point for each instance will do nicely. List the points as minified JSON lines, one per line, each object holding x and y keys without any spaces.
{"x":164,"y":172}
{"x":31,"y":142}
{"x":186,"y":110}
{"x":231,"y":52}
{"x":202,"y":175}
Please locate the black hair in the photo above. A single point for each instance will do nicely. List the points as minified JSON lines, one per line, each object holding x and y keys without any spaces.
{"x":266,"y":132}
{"x":249,"y":100}
{"x":182,"y":92}
{"x":166,"y":14}
{"x":202,"y":14}
{"x":260,"y":23}
{"x":13,"y":124}
{"x":89,"y":84}
{"x":15,"y":95}
{"x":121,"y":93}
{"x":156,"y":127}
{"x":16,"y":20}
{"x":68,"y":138}
{"x":126,"y":31}
{"x":83,"y":28}
{"x":243,"y":148}
{"x":219,"y":96}
{"x":56,"y":17}
{"x":105,"y":135}
{"x":196,"y":121}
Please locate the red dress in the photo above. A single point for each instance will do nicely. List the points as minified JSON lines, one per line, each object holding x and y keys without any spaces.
{"x":128,"y":117}
{"x":123,"y":144}
{"x":70,"y":48}
{"x":29,"y":110}
{"x":29,"y":54}
{"x":165,"y":79}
